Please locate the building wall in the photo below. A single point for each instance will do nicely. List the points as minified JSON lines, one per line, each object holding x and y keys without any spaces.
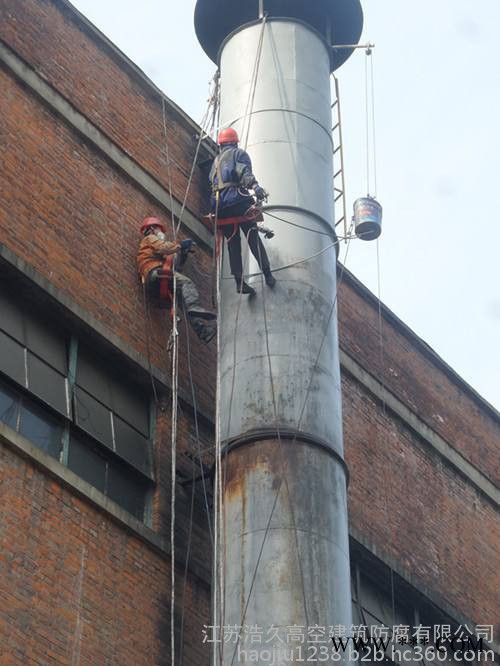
{"x":80,"y":581}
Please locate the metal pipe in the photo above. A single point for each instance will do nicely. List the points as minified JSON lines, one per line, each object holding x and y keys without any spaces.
{"x":284,"y":535}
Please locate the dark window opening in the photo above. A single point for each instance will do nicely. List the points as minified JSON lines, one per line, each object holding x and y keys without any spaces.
{"x":106,"y":473}
{"x":88,"y":411}
{"x":85,"y":460}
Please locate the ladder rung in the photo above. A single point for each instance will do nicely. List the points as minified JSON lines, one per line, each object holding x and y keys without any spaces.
{"x":338,"y":173}
{"x":335,"y":104}
{"x":338,"y":196}
{"x":341,"y":220}
{"x":335,"y":127}
{"x":337,"y":189}
{"x":337,"y":149}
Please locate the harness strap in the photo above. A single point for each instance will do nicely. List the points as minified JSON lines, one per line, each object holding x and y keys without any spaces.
{"x":221,"y":185}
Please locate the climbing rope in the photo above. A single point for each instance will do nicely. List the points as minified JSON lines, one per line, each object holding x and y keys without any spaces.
{"x":219,"y":568}
{"x":174,"y":346}
{"x":370,"y":128}
{"x":201,"y":136}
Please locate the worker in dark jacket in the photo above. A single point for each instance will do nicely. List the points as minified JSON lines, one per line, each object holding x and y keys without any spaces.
{"x":153,"y":249}
{"x":231,"y":178}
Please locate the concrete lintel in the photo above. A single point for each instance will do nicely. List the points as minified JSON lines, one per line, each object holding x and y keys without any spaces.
{"x":69,"y":479}
{"x":101,"y":142}
{"x":436,"y":442}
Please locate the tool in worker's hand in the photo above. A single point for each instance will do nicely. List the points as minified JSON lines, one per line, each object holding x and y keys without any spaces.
{"x":187,"y":245}
{"x":268,"y":233}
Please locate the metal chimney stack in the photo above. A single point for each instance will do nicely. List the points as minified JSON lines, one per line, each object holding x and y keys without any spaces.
{"x":285,"y":550}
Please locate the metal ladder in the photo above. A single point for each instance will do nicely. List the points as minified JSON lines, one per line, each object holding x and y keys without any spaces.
{"x":338,"y":176}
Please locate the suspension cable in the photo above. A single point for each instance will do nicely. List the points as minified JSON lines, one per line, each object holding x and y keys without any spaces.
{"x":374,"y":126}
{"x":219,"y":482}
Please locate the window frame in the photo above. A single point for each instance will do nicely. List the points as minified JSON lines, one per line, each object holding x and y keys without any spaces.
{"x":67,"y":420}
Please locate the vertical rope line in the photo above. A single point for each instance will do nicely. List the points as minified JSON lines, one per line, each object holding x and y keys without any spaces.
{"x":173,"y":473}
{"x":169,"y":165}
{"x":186,"y":563}
{"x":374,"y":134}
{"x":367,"y":127}
{"x":219,"y":481}
{"x":175,"y":362}
{"x":253,"y":82}
{"x":218,"y":566}
{"x":174,"y":384}
{"x":280,"y":443}
{"x":197,"y":430}
{"x":384,"y":410}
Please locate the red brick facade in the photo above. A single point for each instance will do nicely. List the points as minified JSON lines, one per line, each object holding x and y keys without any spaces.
{"x":76,"y":585}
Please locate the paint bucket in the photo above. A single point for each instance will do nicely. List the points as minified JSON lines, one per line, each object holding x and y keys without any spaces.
{"x":367,"y":218}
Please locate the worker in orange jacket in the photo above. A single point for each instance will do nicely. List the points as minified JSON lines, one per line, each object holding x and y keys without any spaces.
{"x":153,"y":249}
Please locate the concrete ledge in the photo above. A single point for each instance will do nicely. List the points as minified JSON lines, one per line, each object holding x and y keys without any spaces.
{"x":23,"y":447}
{"x":101,"y":142}
{"x":435,"y":441}
{"x":415,"y":340}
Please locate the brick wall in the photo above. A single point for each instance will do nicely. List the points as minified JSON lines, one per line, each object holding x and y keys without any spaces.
{"x":108,"y":93}
{"x":418,"y":382}
{"x":76,"y":220}
{"x":413,"y":508}
{"x":78,"y":589}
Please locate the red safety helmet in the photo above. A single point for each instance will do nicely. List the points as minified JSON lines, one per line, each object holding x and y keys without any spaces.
{"x":149,"y":222}
{"x":228,"y":135}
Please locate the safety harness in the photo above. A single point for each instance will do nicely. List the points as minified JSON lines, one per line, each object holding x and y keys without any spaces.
{"x":221,"y":185}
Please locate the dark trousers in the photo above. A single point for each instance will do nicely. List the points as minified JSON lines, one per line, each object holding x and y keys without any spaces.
{"x":185,"y":287}
{"x":232,"y":234}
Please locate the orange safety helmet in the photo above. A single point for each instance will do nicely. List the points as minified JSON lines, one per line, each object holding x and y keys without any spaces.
{"x":149,"y":222}
{"x":228,"y":135}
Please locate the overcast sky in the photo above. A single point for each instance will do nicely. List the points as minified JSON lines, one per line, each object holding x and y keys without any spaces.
{"x":437,"y":90}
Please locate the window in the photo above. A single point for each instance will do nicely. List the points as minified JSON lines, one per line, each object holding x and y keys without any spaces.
{"x":25,"y":417}
{"x":74,"y":405}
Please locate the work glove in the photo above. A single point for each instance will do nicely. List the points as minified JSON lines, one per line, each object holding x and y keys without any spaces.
{"x":260,"y":193}
{"x":187,"y":245}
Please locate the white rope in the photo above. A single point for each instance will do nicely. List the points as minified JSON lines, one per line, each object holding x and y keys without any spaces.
{"x":175,"y":370}
{"x":174,"y":384}
{"x":374,"y":134}
{"x":202,"y":135}
{"x":219,"y":612}
{"x":367,"y":127}
{"x":218,"y":570}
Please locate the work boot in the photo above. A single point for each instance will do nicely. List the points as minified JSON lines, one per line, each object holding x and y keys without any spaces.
{"x":243,"y":288}
{"x":270,"y":279}
{"x":201,"y":313}
{"x":191,"y":299}
{"x":204,"y":331}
